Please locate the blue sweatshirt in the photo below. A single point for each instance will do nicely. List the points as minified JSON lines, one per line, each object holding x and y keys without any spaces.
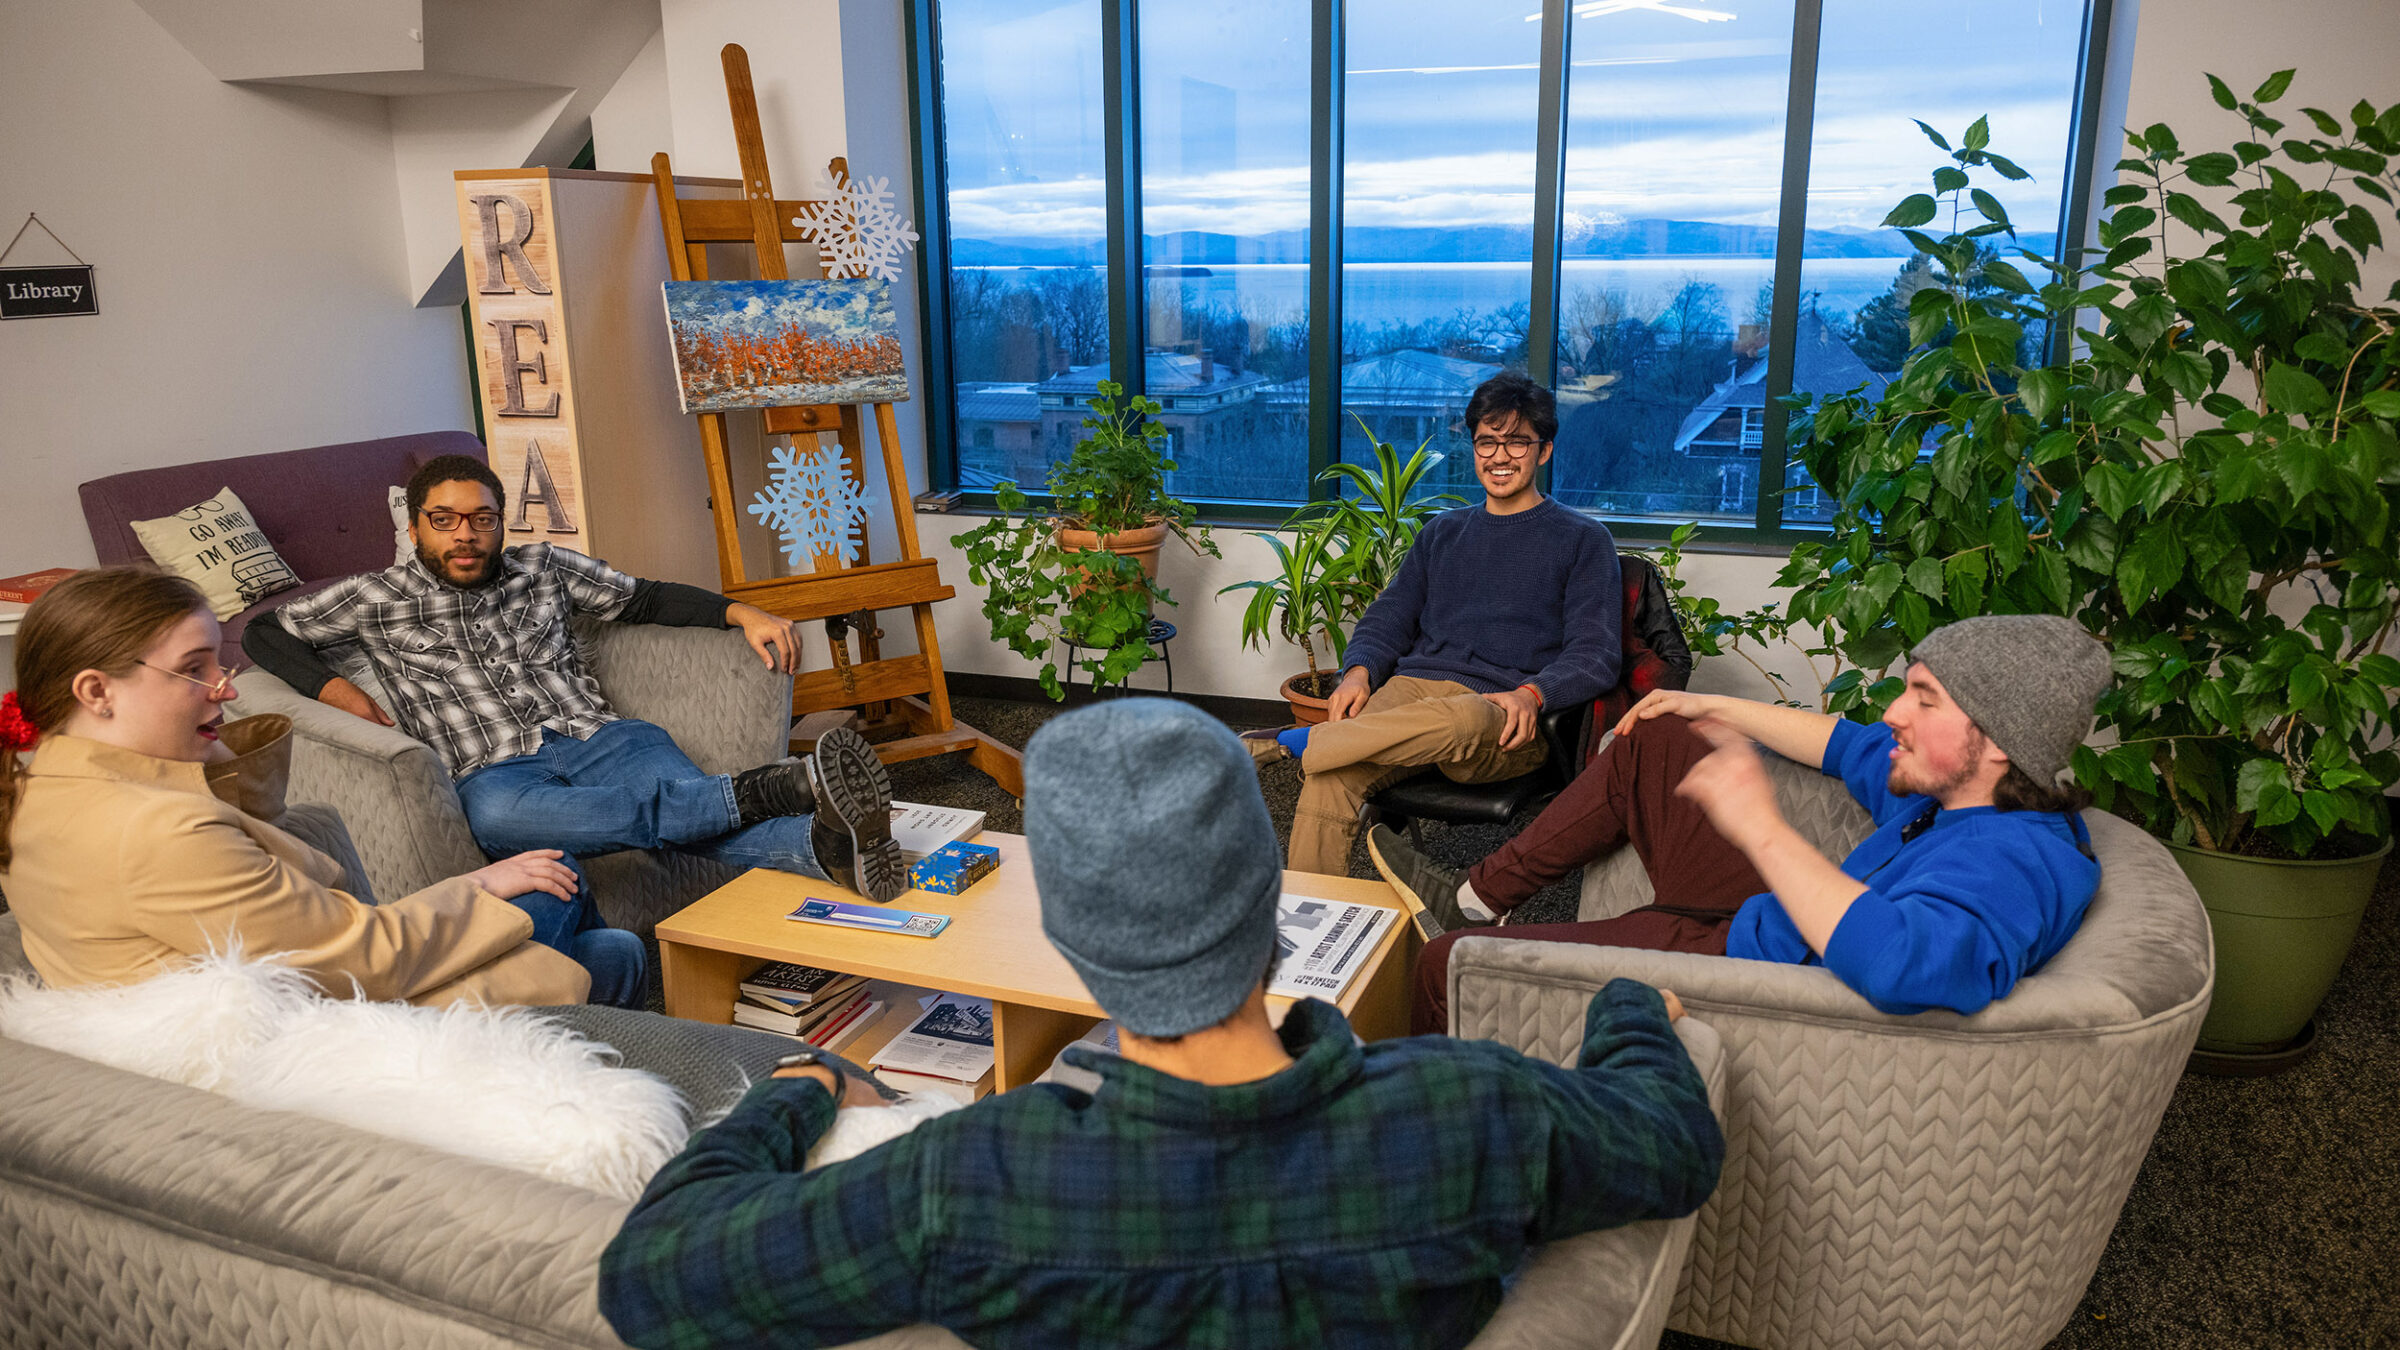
{"x":1494,"y":602}
{"x":1951,"y":919}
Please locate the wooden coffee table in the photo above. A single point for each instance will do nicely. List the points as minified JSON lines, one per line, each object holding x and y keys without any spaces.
{"x":993,"y":948}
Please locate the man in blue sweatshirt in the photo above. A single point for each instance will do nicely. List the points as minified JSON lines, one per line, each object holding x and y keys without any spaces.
{"x":1978,"y":870}
{"x":1499,"y":611}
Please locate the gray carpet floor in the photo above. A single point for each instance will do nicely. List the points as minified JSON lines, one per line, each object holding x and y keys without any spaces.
{"x":2268,"y":1211}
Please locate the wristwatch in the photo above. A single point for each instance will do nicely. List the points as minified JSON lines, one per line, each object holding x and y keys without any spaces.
{"x":801,"y":1059}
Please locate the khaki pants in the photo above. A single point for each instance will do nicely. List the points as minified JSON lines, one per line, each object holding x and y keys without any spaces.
{"x":1407,"y":725}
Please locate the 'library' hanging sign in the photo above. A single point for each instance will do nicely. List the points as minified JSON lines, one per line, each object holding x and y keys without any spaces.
{"x":45,"y":292}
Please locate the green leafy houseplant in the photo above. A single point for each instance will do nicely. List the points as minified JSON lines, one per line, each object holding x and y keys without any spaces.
{"x":1345,"y":550}
{"x":1039,"y":590}
{"x":2208,"y":479}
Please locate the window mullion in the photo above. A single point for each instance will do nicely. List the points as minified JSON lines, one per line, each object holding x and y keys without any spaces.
{"x":933,"y":244}
{"x":1549,"y":190}
{"x":2075,"y":208}
{"x":1791,"y":230}
{"x":1325,"y":245}
{"x":1121,"y":84}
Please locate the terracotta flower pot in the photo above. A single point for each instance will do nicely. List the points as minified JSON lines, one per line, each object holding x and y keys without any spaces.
{"x":1140,"y":545}
{"x":1307,"y":709}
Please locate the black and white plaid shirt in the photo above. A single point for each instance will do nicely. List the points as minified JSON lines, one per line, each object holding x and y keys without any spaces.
{"x":476,"y":674}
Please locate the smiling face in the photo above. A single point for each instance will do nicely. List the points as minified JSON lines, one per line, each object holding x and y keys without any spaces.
{"x":1938,"y":750}
{"x":1506,"y":455}
{"x":167,"y":707}
{"x":462,"y":556}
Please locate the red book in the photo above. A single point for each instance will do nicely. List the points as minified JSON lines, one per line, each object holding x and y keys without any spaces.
{"x":22,"y":590}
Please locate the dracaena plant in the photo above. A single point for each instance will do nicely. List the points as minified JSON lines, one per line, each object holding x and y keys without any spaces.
{"x":2207,"y":476}
{"x":1344,"y":551}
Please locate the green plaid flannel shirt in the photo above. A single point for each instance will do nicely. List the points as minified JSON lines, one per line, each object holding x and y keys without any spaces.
{"x":1365,"y":1196}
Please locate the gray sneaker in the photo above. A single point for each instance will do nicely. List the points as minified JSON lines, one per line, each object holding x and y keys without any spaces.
{"x":1429,"y":889}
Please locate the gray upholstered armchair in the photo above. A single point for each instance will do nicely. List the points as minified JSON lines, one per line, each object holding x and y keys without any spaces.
{"x":703,"y":685}
{"x":1934,"y":1180}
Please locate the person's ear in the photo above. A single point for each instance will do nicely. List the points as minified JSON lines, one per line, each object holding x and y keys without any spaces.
{"x":1544,"y":456}
{"x":91,"y":690}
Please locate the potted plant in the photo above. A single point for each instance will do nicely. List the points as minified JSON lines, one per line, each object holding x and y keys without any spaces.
{"x":2209,"y":479}
{"x":1087,"y":572}
{"x":1345,"y":550}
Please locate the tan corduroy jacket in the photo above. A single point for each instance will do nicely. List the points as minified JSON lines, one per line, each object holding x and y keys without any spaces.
{"x":124,"y":863}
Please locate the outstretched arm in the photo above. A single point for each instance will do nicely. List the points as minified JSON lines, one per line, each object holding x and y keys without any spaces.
{"x":1632,"y":1136}
{"x":1794,"y":733}
{"x":671,"y":604}
{"x":733,"y":1244}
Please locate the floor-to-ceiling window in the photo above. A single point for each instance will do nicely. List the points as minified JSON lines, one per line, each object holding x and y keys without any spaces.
{"x":1695,"y":234}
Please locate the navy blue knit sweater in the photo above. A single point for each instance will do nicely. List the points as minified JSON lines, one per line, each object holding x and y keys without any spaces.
{"x":1494,"y":602}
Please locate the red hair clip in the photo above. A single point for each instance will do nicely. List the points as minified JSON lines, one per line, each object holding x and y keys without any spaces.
{"x":16,"y":733}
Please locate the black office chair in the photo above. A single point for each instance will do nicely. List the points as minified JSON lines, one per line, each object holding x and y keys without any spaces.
{"x":1431,"y":796}
{"x":1655,"y":658}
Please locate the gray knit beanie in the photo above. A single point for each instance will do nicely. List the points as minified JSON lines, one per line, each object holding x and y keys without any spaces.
{"x":1155,"y":860}
{"x":2028,"y":680}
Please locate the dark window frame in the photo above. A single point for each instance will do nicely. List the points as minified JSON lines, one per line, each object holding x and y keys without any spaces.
{"x":1121,"y":82}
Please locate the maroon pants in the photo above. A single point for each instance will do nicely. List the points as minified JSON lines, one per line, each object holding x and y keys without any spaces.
{"x":1626,"y":796}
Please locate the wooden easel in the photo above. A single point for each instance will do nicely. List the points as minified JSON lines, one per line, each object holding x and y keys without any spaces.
{"x":906,"y":697}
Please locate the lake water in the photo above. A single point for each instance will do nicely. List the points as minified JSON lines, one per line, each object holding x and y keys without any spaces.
{"x":1375,"y":294}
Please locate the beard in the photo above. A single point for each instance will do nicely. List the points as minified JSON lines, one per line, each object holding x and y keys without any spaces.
{"x":1902,"y":783}
{"x":435,"y":561}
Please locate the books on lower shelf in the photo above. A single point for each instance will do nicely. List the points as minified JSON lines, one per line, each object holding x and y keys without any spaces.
{"x":798,"y":985}
{"x":947,"y":1049}
{"x":829,"y":1022}
{"x":921,"y":830}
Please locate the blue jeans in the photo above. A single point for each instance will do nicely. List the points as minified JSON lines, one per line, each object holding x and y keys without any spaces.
{"x":615,"y":959}
{"x":625,"y":786}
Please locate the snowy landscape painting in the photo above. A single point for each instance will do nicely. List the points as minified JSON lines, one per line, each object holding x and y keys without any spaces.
{"x":764,"y":344}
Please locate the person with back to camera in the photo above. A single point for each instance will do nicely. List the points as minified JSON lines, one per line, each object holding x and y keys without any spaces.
{"x":1228,"y":1183}
{"x":119,"y":861}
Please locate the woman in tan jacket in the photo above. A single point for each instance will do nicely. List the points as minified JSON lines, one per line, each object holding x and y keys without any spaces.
{"x":119,"y":861}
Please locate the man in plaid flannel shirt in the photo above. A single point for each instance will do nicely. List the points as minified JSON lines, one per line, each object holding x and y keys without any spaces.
{"x":470,"y":641}
{"x":1227,"y":1184}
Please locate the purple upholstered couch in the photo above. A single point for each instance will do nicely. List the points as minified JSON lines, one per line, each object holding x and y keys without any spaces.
{"x":323,"y":508}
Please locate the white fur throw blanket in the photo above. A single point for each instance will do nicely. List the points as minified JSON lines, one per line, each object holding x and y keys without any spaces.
{"x":500,"y":1085}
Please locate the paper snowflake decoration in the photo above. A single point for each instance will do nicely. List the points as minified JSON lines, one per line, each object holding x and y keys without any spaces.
{"x":857,"y":228}
{"x":814,"y":505}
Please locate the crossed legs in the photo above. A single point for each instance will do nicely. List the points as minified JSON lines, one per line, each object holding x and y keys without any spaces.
{"x":1626,"y":796}
{"x":1407,"y":725}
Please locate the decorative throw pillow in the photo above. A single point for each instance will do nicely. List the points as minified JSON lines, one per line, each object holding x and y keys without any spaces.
{"x":217,"y":547}
{"x":396,"y":498}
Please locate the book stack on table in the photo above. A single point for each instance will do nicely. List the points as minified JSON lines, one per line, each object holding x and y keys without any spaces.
{"x":822,"y":1007}
{"x":947,"y":1049}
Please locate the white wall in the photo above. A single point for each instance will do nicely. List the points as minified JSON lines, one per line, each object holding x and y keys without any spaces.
{"x":252,"y":287}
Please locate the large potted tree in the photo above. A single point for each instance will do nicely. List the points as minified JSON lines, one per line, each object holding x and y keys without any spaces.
{"x":1086,"y":571}
{"x":2208,"y":477}
{"x":1345,"y":549}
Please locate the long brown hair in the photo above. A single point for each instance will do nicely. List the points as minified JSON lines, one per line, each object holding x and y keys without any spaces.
{"x":101,"y":619}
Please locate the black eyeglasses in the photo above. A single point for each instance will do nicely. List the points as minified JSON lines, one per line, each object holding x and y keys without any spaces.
{"x":1514,"y":447}
{"x":484,"y":522}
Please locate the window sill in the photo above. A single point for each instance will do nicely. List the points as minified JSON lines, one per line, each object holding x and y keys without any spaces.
{"x":1640,"y":535}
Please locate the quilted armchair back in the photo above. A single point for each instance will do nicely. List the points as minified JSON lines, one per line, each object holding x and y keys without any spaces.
{"x":1932,"y":1180}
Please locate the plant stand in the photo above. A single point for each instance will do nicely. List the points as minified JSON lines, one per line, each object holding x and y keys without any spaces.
{"x":1160,"y":634}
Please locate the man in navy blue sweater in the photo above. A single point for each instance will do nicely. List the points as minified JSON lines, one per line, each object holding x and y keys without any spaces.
{"x":1498,"y":611}
{"x":1977,"y":872}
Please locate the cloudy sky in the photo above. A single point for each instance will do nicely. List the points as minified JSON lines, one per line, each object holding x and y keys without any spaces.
{"x":1671,"y":114}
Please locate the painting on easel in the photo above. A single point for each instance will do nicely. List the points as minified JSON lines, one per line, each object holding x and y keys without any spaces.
{"x":761,"y":344}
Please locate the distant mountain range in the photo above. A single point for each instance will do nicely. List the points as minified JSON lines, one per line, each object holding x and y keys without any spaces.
{"x":1479,"y":243}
